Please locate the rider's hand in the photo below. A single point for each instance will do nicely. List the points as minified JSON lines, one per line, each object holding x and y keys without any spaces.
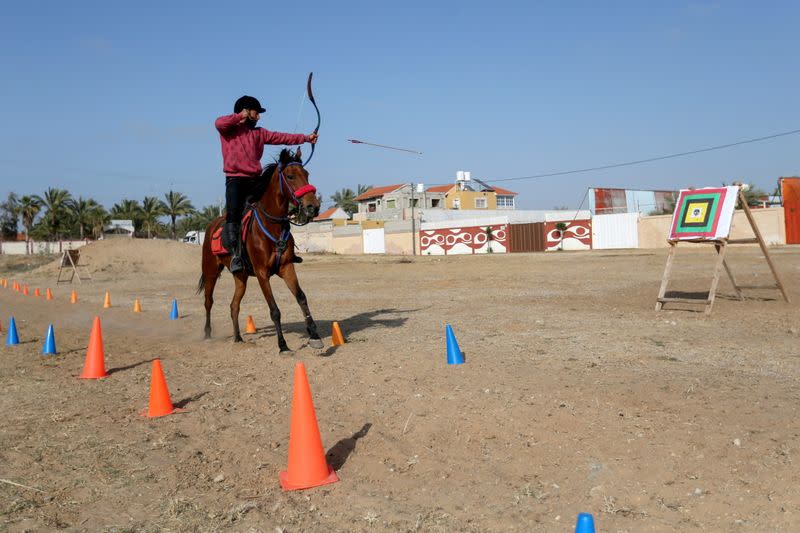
{"x":313,"y":138}
{"x":245,"y":114}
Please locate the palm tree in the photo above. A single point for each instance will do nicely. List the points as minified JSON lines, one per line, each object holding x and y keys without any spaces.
{"x":57,"y":203}
{"x":10,"y":216}
{"x":83,"y":210}
{"x":98,"y":220}
{"x":177,"y":205}
{"x":152,"y":208}
{"x":346,"y":199}
{"x":363,"y":188}
{"x":128,"y":209}
{"x":28,"y":207}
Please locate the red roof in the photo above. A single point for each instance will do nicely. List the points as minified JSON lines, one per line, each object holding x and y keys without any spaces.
{"x":377,"y":192}
{"x":327,"y":214}
{"x":505,"y":192}
{"x":440,"y":188}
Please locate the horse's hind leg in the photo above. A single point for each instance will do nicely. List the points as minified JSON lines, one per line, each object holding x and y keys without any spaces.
{"x":290,"y":277}
{"x":240,"y":281}
{"x":210,"y":277}
{"x":274,"y":312}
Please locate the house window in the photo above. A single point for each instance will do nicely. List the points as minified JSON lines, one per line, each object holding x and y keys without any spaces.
{"x":391,"y":204}
{"x":434,"y":202}
{"x":413,"y":202}
{"x":505,"y":202}
{"x":456,"y":203}
{"x":480,"y":203}
{"x":371,"y":208}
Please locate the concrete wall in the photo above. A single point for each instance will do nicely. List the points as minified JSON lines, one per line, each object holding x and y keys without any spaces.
{"x":23,"y":248}
{"x":653,"y":231}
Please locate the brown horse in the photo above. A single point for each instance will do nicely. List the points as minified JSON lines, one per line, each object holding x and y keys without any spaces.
{"x":269,"y":244}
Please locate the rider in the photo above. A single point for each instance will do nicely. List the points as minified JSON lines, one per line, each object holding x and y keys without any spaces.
{"x":242,"y":148}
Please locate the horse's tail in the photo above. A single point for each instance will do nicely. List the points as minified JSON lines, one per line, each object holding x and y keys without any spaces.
{"x":201,"y":284}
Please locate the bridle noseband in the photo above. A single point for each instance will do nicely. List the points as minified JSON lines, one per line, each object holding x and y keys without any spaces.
{"x":294,"y":195}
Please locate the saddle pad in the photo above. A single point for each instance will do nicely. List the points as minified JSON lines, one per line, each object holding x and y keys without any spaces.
{"x":217,"y":248}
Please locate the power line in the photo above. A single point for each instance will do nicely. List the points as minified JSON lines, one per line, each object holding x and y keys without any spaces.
{"x":648,"y":160}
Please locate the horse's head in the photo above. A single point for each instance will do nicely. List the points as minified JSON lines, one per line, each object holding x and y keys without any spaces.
{"x":294,"y":184}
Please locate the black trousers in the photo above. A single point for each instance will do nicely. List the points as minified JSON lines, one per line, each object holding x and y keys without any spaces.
{"x":237,"y":190}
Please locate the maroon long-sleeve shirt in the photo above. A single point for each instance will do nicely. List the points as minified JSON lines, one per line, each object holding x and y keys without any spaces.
{"x":242,"y":146}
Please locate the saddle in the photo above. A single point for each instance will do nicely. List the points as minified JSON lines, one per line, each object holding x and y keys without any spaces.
{"x":217,"y":248}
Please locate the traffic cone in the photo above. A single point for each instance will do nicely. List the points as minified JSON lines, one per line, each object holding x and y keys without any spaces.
{"x":174,"y":313}
{"x":94,"y":367}
{"x":337,"y":339}
{"x":73,"y":298}
{"x":454,"y":355}
{"x":37,"y":292}
{"x":13,"y":338}
{"x":585,"y":523}
{"x":307,"y":465}
{"x":49,"y":347}
{"x":160,"y":404}
{"x":49,"y":294}
{"x":251,"y":326}
{"x":137,"y":306}
{"x":107,"y":301}
{"x":25,"y":290}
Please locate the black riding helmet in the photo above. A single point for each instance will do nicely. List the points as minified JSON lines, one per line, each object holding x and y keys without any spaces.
{"x":247,"y":102}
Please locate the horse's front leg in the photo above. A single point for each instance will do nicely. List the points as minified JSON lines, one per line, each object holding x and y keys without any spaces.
{"x":290,"y":277}
{"x":274,"y":312}
{"x":240,"y":281}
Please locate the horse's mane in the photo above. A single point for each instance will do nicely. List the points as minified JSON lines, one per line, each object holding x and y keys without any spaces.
{"x":286,"y":156}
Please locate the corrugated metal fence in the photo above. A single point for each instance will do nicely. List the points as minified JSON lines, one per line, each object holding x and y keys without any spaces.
{"x":615,"y":231}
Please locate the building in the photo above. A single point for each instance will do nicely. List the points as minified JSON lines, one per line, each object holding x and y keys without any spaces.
{"x":119,"y":228}
{"x":395,"y":202}
{"x":337,"y":215}
{"x":471,"y":193}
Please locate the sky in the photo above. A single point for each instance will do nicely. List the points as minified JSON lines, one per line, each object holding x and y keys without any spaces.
{"x":115,"y":100}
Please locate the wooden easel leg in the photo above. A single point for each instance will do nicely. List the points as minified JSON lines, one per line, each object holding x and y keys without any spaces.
{"x":763,"y":246}
{"x":665,"y":279}
{"x":712,"y":292}
{"x":736,"y":288}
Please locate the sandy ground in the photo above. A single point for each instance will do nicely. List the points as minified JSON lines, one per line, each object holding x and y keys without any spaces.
{"x":576,"y":397}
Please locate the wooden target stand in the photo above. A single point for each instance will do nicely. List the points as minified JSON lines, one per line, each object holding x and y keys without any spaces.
{"x":70,"y":259}
{"x":721,"y":246}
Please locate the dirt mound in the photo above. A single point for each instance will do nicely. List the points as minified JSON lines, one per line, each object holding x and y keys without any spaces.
{"x":124,"y":256}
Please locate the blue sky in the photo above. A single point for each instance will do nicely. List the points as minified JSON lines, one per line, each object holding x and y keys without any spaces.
{"x":115,"y":100}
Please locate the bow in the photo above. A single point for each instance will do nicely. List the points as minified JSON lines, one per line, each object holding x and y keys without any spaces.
{"x":311,"y":97}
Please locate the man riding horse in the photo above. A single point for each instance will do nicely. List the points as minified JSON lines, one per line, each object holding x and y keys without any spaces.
{"x":242,"y":148}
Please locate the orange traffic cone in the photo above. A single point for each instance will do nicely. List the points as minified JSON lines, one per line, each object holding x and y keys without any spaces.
{"x":95,"y":365}
{"x":107,"y":301}
{"x":49,"y":294}
{"x":73,"y":298}
{"x":137,"y":306}
{"x":25,"y":290}
{"x":337,"y":339}
{"x":160,"y":404}
{"x":307,"y":465}
{"x":37,"y":292}
{"x":251,"y":326}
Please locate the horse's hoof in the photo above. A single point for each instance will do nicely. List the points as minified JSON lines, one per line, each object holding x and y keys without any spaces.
{"x":286,"y":353}
{"x":316,"y":343}
{"x":238,"y":339}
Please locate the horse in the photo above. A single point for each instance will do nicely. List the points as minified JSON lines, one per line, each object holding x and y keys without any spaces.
{"x":284,"y":187}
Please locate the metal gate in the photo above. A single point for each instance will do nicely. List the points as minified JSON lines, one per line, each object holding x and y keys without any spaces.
{"x":790,"y":190}
{"x":374,"y":241}
{"x":526,"y":237}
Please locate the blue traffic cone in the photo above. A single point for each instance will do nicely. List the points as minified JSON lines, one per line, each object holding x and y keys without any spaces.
{"x":174,"y":314}
{"x":585,"y":523}
{"x":12,"y":338}
{"x":454,"y":355}
{"x":49,"y":347}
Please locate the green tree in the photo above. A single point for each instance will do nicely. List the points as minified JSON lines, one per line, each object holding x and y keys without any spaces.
{"x":28,"y":208}
{"x":176,"y":205}
{"x":57,"y":203}
{"x":98,"y":220}
{"x":561,"y":227}
{"x":152,"y":208}
{"x":346,"y":199}
{"x":83,"y":210}
{"x":128,"y":209}
{"x":199,"y":220}
{"x":9,"y":215}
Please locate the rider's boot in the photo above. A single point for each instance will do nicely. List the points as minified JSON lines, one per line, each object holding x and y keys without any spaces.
{"x":232,"y":241}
